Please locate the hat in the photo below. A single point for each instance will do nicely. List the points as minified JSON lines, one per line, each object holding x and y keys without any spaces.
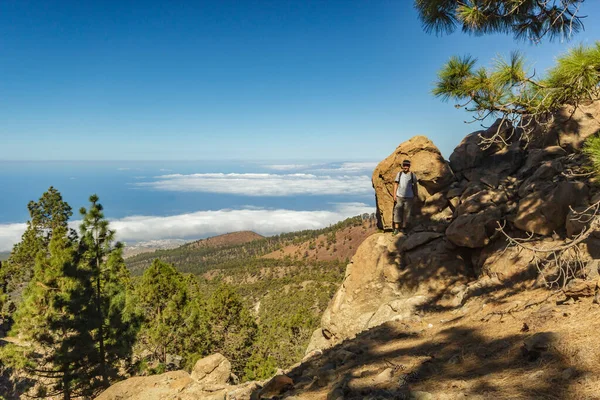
{"x":406,"y":162}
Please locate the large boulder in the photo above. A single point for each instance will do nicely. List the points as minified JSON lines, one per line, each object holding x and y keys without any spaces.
{"x":569,"y":127}
{"x":212,"y":370}
{"x":474,"y":230}
{"x":475,"y":164}
{"x":175,"y":385}
{"x":545,"y":211}
{"x":389,"y":278}
{"x":432,"y":171}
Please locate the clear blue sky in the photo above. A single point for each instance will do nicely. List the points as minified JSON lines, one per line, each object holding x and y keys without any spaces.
{"x":350,"y":80}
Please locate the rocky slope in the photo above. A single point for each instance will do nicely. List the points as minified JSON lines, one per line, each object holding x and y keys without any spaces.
{"x":449,"y":311}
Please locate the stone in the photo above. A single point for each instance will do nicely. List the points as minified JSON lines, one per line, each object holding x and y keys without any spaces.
{"x":469,"y":160}
{"x":577,"y":288}
{"x":174,"y":385}
{"x":481,"y":200}
{"x":569,"y":127}
{"x":578,"y":219}
{"x":539,"y":343}
{"x":419,"y":239}
{"x":384,"y":376}
{"x":434,"y":204}
{"x":419,"y":395}
{"x":506,"y":262}
{"x":432,"y":171}
{"x":277,"y":385}
{"x":536,"y":156}
{"x":490,"y":180}
{"x":544,"y":212}
{"x":474,"y":230}
{"x":212,"y":370}
{"x":454,"y":192}
{"x":568,"y":373}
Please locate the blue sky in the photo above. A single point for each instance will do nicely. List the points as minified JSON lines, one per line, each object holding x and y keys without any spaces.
{"x":281,"y":80}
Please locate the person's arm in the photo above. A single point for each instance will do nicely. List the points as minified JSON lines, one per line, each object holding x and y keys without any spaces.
{"x":395,"y":190}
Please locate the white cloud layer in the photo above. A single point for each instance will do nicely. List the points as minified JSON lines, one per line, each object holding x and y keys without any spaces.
{"x":331,"y":168}
{"x":10,"y":234}
{"x":207,"y":223}
{"x":253,"y":184}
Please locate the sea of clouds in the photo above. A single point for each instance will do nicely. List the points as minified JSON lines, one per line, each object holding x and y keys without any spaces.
{"x":201,"y":224}
{"x":352,"y":180}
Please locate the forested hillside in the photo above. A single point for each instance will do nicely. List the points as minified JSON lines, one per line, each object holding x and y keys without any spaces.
{"x":199,"y":259}
{"x":106,"y":318}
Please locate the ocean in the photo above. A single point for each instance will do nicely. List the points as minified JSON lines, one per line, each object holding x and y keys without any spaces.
{"x":153,"y":200}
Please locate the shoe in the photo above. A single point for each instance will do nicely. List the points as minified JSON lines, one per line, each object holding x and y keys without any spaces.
{"x":395,"y":232}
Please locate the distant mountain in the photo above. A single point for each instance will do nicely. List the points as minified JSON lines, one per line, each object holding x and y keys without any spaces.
{"x":227,"y":239}
{"x":336,"y":243}
{"x":4,"y":255}
{"x":150,"y":246}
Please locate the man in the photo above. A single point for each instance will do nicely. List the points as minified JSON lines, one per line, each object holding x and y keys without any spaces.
{"x":405,"y":192}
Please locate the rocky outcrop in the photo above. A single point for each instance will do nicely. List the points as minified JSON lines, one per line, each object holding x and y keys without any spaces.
{"x":545,"y":211}
{"x":389,"y":278}
{"x":212,"y":370}
{"x":456,"y":250}
{"x":470,"y":162}
{"x":568,"y":127}
{"x":209,"y":380}
{"x":175,"y":385}
{"x":432,"y":171}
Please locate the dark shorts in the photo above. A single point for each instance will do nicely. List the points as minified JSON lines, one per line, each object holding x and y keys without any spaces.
{"x":402,"y":210}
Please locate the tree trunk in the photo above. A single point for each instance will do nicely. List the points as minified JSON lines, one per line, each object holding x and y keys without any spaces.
{"x":101,"y":327}
{"x":66,"y":388}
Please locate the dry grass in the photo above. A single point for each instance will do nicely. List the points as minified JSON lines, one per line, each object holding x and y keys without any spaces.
{"x":466,"y":354}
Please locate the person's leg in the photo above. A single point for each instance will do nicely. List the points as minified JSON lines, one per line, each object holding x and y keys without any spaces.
{"x":408,"y":204}
{"x":401,"y":208}
{"x":397,"y":216}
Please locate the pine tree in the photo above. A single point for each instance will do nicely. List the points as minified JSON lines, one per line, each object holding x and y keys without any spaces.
{"x":54,"y":317}
{"x":162,"y":298}
{"x":114,"y":330}
{"x":509,"y":91}
{"x":232,"y":327}
{"x":121,"y":321}
{"x":48,"y":213}
{"x":525,"y":19}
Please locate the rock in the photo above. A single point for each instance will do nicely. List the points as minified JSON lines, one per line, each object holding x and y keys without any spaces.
{"x":577,"y":288}
{"x":432,"y":171}
{"x":541,"y":178}
{"x":506,"y":263}
{"x":434,"y":204}
{"x":419,"y":239}
{"x":368,"y":296}
{"x":396,"y":310}
{"x":569,"y":128}
{"x":496,"y":162}
{"x":212,"y":370}
{"x":568,"y":373}
{"x":539,"y":343}
{"x":536,"y":156}
{"x":545,"y":211}
{"x":174,"y":361}
{"x":490,"y":180}
{"x":419,"y":395}
{"x":277,"y":385}
{"x":474,"y":230}
{"x":578,"y":219}
{"x":481,"y":200}
{"x":385,"y":376}
{"x":174,"y":385}
{"x":454,"y":192}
